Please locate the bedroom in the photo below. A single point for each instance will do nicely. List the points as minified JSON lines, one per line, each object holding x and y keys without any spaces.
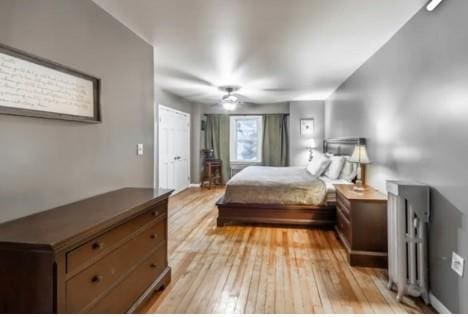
{"x":383,"y":80}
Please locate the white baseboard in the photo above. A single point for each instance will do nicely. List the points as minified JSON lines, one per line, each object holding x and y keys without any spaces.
{"x":194,"y":185}
{"x":437,"y":304}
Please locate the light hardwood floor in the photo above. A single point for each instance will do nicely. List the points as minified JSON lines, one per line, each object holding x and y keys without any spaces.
{"x":255,"y":269}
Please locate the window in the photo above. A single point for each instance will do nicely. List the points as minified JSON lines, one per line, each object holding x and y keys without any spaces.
{"x":246,"y":139}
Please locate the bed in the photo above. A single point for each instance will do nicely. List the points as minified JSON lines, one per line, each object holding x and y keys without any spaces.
{"x":283,"y":195}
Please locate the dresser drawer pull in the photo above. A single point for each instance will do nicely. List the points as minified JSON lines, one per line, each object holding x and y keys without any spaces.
{"x":153,"y":236}
{"x":153,"y":265}
{"x":97,"y":245}
{"x":97,"y":278}
{"x":155,"y":213}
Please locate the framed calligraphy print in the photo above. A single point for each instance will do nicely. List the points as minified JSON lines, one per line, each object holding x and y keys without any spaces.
{"x":35,"y":87}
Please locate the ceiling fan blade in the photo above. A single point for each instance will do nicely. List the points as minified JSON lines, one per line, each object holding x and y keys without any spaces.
{"x":243,"y":98}
{"x":275,"y":89}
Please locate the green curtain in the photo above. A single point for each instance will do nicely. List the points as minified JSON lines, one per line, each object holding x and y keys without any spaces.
{"x":217,"y":139}
{"x":275,"y":140}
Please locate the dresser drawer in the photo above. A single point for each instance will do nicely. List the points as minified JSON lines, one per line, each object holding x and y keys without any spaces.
{"x":102,"y":244}
{"x":344,"y":226}
{"x":121,"y":297}
{"x":97,"y":278}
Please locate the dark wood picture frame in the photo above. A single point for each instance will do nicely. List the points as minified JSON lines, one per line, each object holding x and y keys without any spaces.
{"x":96,"y":82}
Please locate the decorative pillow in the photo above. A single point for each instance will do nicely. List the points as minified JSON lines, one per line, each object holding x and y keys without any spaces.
{"x":349,"y":171}
{"x":335,"y":167}
{"x":318,"y":164}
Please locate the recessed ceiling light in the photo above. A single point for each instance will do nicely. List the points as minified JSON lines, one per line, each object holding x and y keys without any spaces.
{"x":433,"y":4}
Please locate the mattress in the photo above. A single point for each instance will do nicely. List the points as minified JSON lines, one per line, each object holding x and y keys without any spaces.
{"x":275,"y":185}
{"x":331,"y":191}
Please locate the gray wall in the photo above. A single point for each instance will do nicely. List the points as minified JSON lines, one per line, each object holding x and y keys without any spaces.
{"x":168,"y":99}
{"x":298,"y":153}
{"x":45,"y":163}
{"x":411,"y":101}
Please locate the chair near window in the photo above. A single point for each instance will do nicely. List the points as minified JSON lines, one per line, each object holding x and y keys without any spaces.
{"x":212,"y":169}
{"x":213,"y":173}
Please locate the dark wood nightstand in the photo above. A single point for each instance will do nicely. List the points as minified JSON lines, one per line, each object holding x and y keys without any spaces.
{"x":362,"y":225}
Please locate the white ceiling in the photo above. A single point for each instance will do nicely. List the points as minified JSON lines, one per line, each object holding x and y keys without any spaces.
{"x":277,"y":50}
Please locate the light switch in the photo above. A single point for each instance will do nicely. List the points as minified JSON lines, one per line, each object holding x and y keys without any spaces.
{"x":139,"y":149}
{"x":457,"y":264}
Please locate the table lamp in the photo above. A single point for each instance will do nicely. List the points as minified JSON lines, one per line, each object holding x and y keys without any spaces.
{"x":360,"y":156}
{"x":311,"y":146}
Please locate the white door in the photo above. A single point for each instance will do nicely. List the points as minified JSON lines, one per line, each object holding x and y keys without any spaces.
{"x":174,"y":149}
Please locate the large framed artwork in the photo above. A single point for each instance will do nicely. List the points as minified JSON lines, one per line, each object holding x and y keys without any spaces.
{"x":36,"y":87}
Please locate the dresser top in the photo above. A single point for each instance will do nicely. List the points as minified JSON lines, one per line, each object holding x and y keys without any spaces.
{"x":369,"y":193}
{"x":59,"y":227}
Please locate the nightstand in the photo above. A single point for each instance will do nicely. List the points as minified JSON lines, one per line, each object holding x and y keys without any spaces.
{"x":362,"y":225}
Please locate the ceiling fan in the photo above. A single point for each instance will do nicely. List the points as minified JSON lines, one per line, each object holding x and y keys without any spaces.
{"x":229,"y":101}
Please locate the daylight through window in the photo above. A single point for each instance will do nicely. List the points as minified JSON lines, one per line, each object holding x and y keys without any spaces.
{"x":246,"y":138}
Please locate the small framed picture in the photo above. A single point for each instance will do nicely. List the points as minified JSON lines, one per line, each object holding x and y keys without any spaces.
{"x":307,"y":127}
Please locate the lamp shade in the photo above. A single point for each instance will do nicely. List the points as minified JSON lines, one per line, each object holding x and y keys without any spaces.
{"x":311,"y":144}
{"x":360,"y":155}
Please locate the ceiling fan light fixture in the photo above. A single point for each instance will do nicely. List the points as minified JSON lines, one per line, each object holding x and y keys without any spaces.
{"x":229,"y":105}
{"x":229,"y":102}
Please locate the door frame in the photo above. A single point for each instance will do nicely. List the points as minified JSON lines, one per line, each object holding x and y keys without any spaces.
{"x":156,"y":124}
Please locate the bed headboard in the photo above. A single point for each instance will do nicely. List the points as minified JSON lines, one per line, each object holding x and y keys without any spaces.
{"x":342,"y":146}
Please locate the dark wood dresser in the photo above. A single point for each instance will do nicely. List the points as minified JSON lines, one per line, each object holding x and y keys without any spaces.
{"x":104,"y":254}
{"x":362,"y":225}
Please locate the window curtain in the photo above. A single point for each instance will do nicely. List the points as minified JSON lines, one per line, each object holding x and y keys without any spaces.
{"x":275,"y":140}
{"x":217,"y":139}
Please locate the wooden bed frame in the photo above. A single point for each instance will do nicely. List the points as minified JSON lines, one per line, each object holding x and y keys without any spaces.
{"x":311,"y":215}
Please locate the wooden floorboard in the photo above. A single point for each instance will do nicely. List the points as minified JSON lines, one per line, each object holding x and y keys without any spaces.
{"x":260,"y":269}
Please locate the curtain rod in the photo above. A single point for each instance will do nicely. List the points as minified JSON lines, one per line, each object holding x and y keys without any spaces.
{"x":246,"y":114}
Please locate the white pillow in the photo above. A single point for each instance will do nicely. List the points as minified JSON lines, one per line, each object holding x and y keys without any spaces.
{"x":318,"y":164}
{"x":335,"y":167}
{"x":349,"y":171}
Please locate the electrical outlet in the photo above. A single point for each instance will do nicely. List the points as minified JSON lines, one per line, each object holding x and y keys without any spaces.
{"x":457,"y":264}
{"x":140,"y":149}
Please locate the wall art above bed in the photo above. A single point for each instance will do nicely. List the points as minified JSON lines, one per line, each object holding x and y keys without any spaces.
{"x":35,"y":87}
{"x":307,"y":127}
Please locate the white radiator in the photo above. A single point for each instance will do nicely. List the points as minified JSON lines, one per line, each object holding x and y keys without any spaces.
{"x":237,"y":167}
{"x":407,"y":217}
